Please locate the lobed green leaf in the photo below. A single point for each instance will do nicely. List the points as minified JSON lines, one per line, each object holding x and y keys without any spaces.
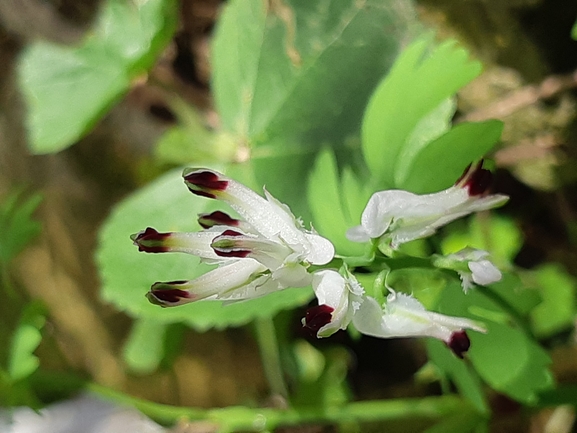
{"x":68,"y":89}
{"x":412,"y":96}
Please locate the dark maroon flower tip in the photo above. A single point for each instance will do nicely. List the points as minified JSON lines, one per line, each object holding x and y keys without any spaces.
{"x":459,"y":343}
{"x":203,"y":183}
{"x":476,"y":179}
{"x":216,"y":218}
{"x":164,"y":294}
{"x":317,"y":317}
{"x":150,"y":241}
{"x":223,"y":246}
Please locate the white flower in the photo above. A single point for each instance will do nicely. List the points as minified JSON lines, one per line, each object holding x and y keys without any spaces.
{"x":338,"y":299}
{"x":342,"y":299}
{"x":267,"y":250}
{"x":405,"y":316}
{"x":401,"y":216}
{"x":480,"y":270}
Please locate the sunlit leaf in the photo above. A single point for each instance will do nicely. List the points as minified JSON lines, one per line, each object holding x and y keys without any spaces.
{"x":439,"y":164}
{"x":68,"y":89}
{"x":414,"y":88}
{"x":293,"y":67}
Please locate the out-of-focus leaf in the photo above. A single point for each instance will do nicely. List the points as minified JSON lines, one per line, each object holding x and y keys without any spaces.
{"x":331,"y":205}
{"x":466,"y":381}
{"x":290,"y":68}
{"x":414,"y":88}
{"x":438,"y":165}
{"x":321,"y":376}
{"x":68,"y":89}
{"x":557,"y":311}
{"x":17,"y":227}
{"x":505,"y":357}
{"x":22,"y":362}
{"x":192,"y":140}
{"x":497,"y":234}
{"x":143,"y":351}
{"x":521,"y":298}
{"x":127,"y":274}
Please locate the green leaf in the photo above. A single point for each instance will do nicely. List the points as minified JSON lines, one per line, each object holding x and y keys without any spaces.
{"x":192,"y":140}
{"x":415,"y":87}
{"x":495,"y":233}
{"x":322,"y":376}
{"x":504,"y":357}
{"x":291,"y":68}
{"x":512,"y":290}
{"x":17,"y":228}
{"x":68,"y":89}
{"x":466,"y":381}
{"x":285,"y":173}
{"x":438,"y":165}
{"x":332,"y":205}
{"x":557,"y":311}
{"x":144,"y":349}
{"x":127,"y":274}
{"x":22,"y":362}
{"x":430,"y":127}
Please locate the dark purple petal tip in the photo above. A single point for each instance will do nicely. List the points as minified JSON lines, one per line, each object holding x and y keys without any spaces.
{"x":150,"y":241}
{"x":459,"y":343}
{"x":205,"y":183}
{"x":165,"y":294}
{"x":216,"y":218}
{"x":317,"y":317}
{"x":476,"y":179}
{"x":224,"y":246}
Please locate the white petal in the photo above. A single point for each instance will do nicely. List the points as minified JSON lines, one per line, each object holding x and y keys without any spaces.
{"x":369,"y":318}
{"x":268,"y":217}
{"x":405,"y":316}
{"x":358,"y":234}
{"x":320,"y":250}
{"x":333,"y":290}
{"x":292,"y":275}
{"x":220,"y":283}
{"x":484,"y":272}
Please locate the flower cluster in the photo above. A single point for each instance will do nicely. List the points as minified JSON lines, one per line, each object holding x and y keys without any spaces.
{"x":267,"y":249}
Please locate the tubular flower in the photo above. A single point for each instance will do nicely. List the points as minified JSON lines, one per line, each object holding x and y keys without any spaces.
{"x":400,"y":216}
{"x":265,"y":251}
{"x":339,"y":298}
{"x":405,"y":316}
{"x":479,"y":270}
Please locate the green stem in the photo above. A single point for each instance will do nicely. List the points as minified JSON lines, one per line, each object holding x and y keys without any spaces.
{"x":238,"y":418}
{"x":269,"y":352}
